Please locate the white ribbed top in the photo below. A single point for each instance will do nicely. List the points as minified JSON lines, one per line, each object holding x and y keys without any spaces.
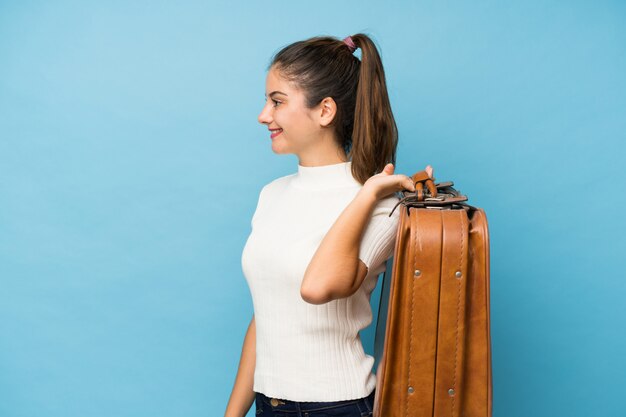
{"x":308,"y":352}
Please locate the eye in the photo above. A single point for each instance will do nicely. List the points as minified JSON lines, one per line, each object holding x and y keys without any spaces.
{"x":276,"y":103}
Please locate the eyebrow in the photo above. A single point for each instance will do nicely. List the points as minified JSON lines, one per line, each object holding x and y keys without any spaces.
{"x":276,"y":92}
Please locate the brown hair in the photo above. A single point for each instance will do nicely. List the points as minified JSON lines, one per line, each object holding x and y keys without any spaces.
{"x":364,"y":126}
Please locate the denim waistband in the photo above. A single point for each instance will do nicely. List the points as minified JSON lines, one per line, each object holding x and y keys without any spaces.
{"x":365,"y":404}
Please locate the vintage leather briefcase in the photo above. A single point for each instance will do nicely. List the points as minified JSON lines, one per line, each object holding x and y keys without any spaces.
{"x":433,"y":337}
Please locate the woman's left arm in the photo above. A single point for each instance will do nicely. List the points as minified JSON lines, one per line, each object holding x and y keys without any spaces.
{"x":335,"y":271}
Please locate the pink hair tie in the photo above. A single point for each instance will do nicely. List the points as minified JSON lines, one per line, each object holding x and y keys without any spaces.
{"x":348,"y":41}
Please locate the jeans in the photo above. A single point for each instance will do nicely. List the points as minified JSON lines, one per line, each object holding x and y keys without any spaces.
{"x":361,"y":407}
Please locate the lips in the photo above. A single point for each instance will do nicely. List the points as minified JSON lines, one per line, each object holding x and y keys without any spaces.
{"x":275,"y":132}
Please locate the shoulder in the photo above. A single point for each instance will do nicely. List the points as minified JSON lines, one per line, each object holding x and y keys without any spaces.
{"x":277,"y":185}
{"x":267,"y":194}
{"x":383,"y":218}
{"x":390,"y":200}
{"x":386,"y":205}
{"x":378,"y":241}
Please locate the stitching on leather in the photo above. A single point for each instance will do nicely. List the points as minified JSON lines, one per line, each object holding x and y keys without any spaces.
{"x":406,"y":410}
{"x":458,"y":305}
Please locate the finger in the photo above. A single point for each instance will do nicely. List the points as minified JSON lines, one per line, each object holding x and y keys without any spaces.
{"x":407,"y":183}
{"x":388,"y":169}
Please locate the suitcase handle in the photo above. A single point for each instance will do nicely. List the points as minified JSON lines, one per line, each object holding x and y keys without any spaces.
{"x":436,"y":195}
{"x":419,"y":179}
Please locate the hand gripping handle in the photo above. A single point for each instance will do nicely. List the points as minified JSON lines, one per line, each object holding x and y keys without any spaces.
{"x":440,"y":196}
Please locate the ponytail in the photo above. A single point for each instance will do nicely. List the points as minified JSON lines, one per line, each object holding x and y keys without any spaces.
{"x":375,"y":133}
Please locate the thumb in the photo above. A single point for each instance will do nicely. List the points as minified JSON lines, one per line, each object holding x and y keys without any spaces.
{"x":388,"y":169}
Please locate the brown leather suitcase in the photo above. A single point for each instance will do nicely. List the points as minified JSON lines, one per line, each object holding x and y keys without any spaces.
{"x":433,"y":337}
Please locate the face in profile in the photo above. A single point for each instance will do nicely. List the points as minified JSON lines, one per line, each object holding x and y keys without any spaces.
{"x":294,"y":128}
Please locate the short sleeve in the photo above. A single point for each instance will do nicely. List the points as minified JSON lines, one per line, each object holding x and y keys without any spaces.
{"x":379,"y":239}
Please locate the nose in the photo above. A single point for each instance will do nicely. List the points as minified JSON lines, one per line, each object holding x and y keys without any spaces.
{"x":265,"y":117}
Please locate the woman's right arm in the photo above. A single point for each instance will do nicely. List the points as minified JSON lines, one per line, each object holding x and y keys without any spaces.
{"x":242,"y":396}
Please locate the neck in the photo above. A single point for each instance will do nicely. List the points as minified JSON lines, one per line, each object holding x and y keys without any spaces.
{"x":324,"y":152}
{"x":321,"y":160}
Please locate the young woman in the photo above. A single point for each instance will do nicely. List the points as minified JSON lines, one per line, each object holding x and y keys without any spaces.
{"x":320,"y":237}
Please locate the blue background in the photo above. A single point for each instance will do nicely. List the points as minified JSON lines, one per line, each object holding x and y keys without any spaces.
{"x":131,"y":160}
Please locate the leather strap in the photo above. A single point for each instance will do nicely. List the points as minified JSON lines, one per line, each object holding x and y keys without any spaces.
{"x":420,"y":179}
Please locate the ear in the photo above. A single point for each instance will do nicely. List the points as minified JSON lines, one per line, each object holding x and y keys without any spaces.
{"x":328,"y":110}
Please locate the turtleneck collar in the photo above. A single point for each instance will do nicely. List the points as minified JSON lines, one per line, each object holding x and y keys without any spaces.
{"x":325,"y":176}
